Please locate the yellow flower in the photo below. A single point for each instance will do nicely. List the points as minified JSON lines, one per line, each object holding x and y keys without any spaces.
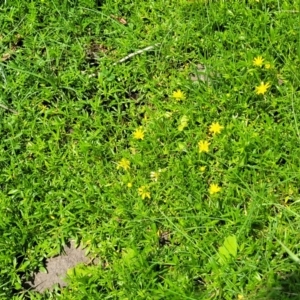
{"x":214,"y":188}
{"x":202,"y":168}
{"x":203,"y":146}
{"x":262,"y":88}
{"x":139,"y":134}
{"x":178,"y":95}
{"x":258,"y":61}
{"x":267,"y":65}
{"x":124,"y":164}
{"x":143,"y":191}
{"x":240,"y":297}
{"x":215,"y":128}
{"x":155,"y":175}
{"x":129,"y":184}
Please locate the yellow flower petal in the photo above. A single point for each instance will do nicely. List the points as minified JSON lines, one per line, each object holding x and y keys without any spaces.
{"x":139,"y":134}
{"x":178,"y":95}
{"x":202,"y":169}
{"x":215,"y":128}
{"x":262,"y":88}
{"x":214,"y":188}
{"x":203,"y":146}
{"x":258,"y":61}
{"x":124,"y":164}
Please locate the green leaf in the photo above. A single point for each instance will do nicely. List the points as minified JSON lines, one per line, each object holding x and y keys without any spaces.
{"x":24,"y":266}
{"x":229,"y":248}
{"x":230,"y":244}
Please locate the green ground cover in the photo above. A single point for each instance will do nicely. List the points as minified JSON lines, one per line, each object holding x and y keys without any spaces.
{"x":178,"y":168}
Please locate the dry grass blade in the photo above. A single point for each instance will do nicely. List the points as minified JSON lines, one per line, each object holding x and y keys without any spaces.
{"x":135,"y":53}
{"x":7,"y":108}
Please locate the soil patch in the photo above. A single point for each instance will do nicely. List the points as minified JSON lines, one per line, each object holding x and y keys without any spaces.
{"x":57,"y":268}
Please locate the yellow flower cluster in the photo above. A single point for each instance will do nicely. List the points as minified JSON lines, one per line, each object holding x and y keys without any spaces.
{"x":259,"y":62}
{"x":124,"y":164}
{"x":263,"y":87}
{"x":203,"y":145}
{"x":214,"y":128}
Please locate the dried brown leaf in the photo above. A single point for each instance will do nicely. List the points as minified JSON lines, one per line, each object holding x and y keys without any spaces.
{"x":5,"y":56}
{"x":120,"y":19}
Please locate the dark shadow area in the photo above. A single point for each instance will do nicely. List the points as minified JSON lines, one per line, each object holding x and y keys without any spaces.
{"x":286,"y":287}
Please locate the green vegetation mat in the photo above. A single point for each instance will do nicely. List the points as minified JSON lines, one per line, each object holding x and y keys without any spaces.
{"x":179,"y":167}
